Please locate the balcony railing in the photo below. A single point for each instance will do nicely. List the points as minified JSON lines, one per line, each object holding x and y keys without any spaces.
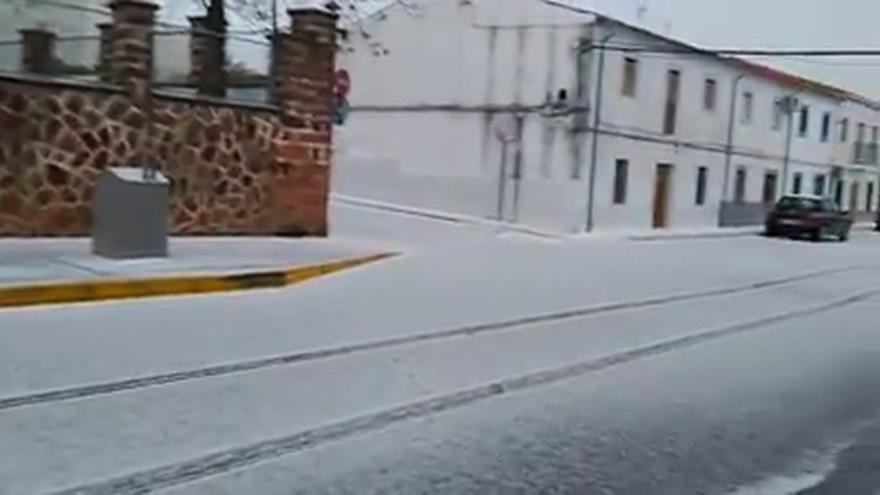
{"x":865,"y":153}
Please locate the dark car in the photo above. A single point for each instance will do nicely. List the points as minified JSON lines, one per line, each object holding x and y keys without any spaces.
{"x":815,"y":217}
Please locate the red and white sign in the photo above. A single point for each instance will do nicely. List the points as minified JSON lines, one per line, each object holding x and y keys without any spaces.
{"x":341,"y":83}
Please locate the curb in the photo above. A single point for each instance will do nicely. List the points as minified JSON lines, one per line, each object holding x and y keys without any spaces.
{"x":721,"y":234}
{"x":111,"y":289}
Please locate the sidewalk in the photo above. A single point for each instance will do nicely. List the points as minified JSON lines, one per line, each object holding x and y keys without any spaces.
{"x":712,"y":233}
{"x":42,"y":271}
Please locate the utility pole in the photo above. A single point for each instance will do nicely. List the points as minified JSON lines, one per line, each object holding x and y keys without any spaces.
{"x":273,"y":70}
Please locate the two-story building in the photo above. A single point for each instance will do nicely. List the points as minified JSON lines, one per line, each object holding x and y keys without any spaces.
{"x":523,"y":111}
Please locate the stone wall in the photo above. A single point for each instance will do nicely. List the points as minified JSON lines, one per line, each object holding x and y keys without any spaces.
{"x":234,"y":168}
{"x":223,"y":161}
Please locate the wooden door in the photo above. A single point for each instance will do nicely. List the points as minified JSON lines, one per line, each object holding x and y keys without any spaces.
{"x":662,"y":189}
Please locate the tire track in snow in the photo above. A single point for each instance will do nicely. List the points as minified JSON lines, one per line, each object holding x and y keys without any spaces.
{"x":92,"y":390}
{"x":241,"y":457}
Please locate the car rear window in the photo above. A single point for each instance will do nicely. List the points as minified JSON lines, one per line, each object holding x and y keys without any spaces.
{"x":799,"y":204}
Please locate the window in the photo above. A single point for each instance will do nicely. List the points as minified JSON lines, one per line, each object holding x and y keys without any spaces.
{"x":844,"y":130}
{"x":819,"y":185}
{"x":860,"y":133}
{"x":801,"y":204}
{"x":702,"y":174}
{"x":710,"y":91}
{"x":804,"y":123}
{"x":874,"y":134}
{"x":630,"y":76}
{"x":621,"y":172}
{"x":739,"y":187}
{"x":768,"y":195}
{"x":747,"y":103}
{"x":838,"y":192}
{"x":778,"y":114}
{"x":797,"y":183}
{"x":670,"y":115}
{"x":869,"y":197}
{"x":826,"y":126}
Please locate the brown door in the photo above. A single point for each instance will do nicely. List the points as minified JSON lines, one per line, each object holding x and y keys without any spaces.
{"x":662,"y":187}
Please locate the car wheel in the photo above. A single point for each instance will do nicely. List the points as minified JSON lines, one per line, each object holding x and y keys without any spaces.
{"x":817,"y":234}
{"x":844,"y":236}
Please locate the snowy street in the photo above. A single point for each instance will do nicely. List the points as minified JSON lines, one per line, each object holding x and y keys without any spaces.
{"x":492,"y":362}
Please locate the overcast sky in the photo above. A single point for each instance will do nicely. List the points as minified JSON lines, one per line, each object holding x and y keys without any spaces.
{"x":772,"y":24}
{"x":752,"y":24}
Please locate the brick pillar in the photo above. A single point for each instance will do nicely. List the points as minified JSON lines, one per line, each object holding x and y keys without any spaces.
{"x":305,"y":60}
{"x":38,"y":50}
{"x":130,"y":57}
{"x":131,"y":65}
{"x":104,"y":50}
{"x":198,"y":49}
{"x":205,"y":49}
{"x":304,"y":65}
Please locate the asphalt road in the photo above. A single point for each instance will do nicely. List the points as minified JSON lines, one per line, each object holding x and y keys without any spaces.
{"x":755,"y":370}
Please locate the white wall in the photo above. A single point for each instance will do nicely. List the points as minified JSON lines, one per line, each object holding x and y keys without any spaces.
{"x":421,"y":131}
{"x":423,"y":126}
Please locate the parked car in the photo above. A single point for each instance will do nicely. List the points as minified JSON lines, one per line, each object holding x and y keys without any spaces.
{"x":877,"y":221}
{"x":815,"y":217}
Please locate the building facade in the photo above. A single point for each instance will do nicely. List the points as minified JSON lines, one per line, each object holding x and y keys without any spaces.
{"x":526,"y":112}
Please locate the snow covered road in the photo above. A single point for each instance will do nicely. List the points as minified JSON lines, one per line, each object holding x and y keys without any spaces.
{"x":247,"y":388}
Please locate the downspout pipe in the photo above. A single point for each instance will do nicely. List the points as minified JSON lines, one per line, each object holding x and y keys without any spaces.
{"x":728,"y":148}
{"x":790,"y":110}
{"x":594,"y":147}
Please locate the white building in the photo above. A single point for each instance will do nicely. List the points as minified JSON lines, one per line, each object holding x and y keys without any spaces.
{"x":488,"y":108}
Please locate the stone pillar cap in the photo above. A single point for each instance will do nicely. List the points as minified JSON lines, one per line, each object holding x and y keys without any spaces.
{"x":144,"y":4}
{"x":312,"y":9}
{"x":37,"y":30}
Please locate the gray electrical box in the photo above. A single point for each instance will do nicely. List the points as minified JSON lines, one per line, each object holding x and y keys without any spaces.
{"x":130,"y":214}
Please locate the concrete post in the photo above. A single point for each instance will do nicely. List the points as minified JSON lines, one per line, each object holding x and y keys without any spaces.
{"x":38,"y":50}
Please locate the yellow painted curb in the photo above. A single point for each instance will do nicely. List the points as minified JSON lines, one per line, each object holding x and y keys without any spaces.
{"x":108,"y":289}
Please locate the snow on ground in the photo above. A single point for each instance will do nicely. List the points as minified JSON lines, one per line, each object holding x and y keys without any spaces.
{"x":30,"y":260}
{"x":274,"y":402}
{"x":703,"y":420}
{"x":451,"y":274}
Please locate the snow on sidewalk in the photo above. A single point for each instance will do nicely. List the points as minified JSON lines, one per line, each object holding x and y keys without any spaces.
{"x":56,"y":259}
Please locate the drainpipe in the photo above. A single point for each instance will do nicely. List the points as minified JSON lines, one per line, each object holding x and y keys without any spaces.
{"x":789,"y":109}
{"x":517,"y":164}
{"x":728,"y":149}
{"x":594,"y":148}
